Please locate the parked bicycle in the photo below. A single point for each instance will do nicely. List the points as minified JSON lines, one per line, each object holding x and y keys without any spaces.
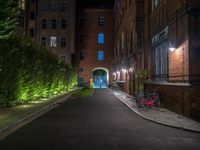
{"x":146,"y":99}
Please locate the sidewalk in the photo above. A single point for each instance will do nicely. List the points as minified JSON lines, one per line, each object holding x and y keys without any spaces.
{"x":162,"y":116}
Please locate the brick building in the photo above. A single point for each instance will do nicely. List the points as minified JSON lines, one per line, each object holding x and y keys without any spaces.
{"x":165,"y":43}
{"x":128,"y":39}
{"x":94,"y":43}
{"x":51,"y":23}
{"x":22,"y":19}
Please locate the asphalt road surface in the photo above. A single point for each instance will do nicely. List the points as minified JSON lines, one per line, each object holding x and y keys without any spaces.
{"x":99,"y":122}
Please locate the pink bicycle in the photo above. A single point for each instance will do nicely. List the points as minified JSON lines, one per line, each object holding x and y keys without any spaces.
{"x":147,"y":100}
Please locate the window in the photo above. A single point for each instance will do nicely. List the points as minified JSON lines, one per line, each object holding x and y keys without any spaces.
{"x":81,"y":55}
{"x":32,"y":15}
{"x":100,"y":56}
{"x":81,"y":69}
{"x":64,"y":5}
{"x":155,"y":4}
{"x":21,"y":22}
{"x":82,"y":21}
{"x":31,"y":33}
{"x":54,"y":5}
{"x":101,"y":21}
{"x":63,"y":42}
{"x":62,"y":58}
{"x":44,"y":23}
{"x":44,"y":5}
{"x":81,"y":38}
{"x":21,"y":4}
{"x":53,"y":24}
{"x":43,"y":41}
{"x":160,"y":55}
{"x":53,"y":41}
{"x":63,"y":24}
{"x":100,"y":38}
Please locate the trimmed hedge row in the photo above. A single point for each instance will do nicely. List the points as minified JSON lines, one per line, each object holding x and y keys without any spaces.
{"x":29,"y":72}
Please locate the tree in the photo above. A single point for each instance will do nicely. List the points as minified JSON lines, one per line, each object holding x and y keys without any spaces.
{"x":8,"y":15}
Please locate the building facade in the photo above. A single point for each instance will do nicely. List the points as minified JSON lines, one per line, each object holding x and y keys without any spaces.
{"x":94,"y":44}
{"x":165,"y":46}
{"x":128,"y":39}
{"x":51,"y":24}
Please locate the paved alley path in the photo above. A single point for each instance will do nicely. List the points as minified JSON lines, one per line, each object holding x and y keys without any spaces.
{"x":99,"y":122}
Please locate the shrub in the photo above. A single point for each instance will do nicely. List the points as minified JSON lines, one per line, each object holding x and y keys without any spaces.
{"x":29,"y":72}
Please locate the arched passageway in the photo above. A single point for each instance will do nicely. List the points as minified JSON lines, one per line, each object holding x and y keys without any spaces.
{"x":100,"y":77}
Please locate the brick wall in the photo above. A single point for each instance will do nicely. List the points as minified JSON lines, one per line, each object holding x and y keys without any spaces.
{"x":90,"y":46}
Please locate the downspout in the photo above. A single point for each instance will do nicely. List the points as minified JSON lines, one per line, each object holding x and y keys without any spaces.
{"x":142,"y":32}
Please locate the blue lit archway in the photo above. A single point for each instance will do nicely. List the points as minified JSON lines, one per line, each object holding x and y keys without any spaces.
{"x":100,"y":77}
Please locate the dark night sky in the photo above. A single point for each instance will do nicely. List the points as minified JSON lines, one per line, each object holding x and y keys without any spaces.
{"x":96,"y":3}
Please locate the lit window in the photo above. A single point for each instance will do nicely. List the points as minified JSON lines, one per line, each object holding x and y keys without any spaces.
{"x":100,"y":55}
{"x":21,"y":4}
{"x":53,"y":41}
{"x":101,"y":21}
{"x":100,"y":38}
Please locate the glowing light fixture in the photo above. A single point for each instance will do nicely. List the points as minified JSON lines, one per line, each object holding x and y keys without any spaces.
{"x":172,"y":49}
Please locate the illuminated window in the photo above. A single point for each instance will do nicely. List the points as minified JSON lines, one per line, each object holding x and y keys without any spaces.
{"x":100,"y":56}
{"x":100,"y":38}
{"x":21,"y":4}
{"x":53,"y":42}
{"x":101,"y":21}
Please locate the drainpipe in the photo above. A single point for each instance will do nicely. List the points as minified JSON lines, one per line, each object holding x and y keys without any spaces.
{"x":142,"y":32}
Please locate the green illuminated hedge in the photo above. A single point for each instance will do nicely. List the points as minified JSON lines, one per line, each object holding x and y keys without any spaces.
{"x":29,"y":72}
